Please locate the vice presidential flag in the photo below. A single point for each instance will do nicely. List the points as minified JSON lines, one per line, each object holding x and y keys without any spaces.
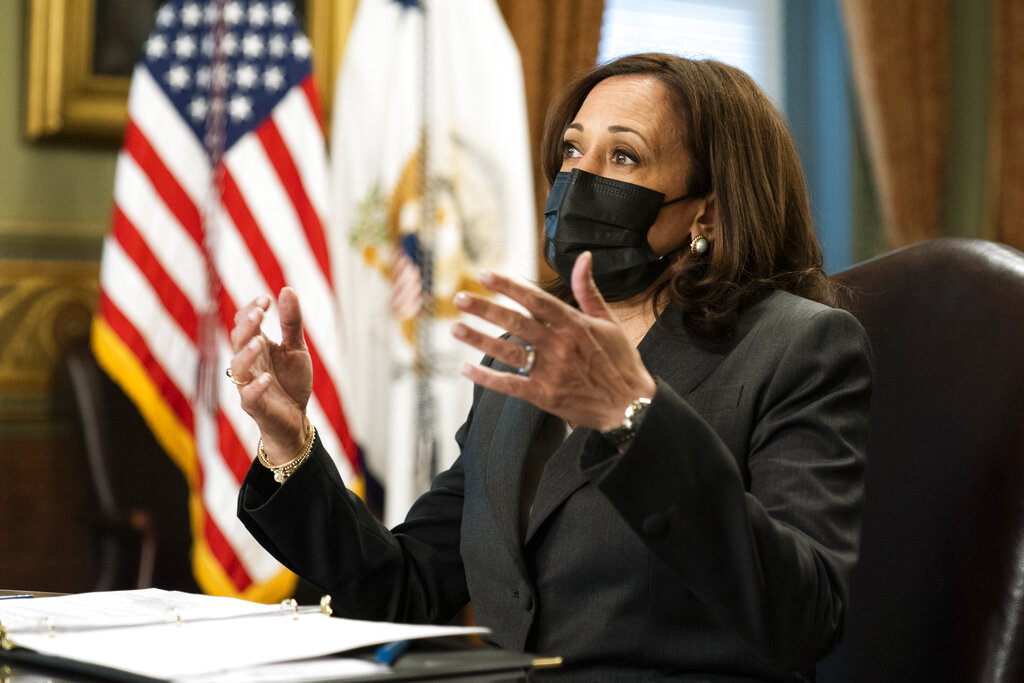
{"x":430,"y":159}
{"x":220,"y":196}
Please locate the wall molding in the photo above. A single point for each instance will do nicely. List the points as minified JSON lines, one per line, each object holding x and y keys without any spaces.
{"x":44,"y":306}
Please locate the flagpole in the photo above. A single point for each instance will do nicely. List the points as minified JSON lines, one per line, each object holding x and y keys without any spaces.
{"x":214,"y":141}
{"x":425,"y":363}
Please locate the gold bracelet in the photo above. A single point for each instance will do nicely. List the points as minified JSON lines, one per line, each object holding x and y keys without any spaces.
{"x":282,"y":472}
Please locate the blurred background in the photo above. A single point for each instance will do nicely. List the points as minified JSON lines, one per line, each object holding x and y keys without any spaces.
{"x":909,"y":116}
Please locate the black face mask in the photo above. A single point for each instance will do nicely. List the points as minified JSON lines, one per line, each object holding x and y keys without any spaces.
{"x":610,"y":218}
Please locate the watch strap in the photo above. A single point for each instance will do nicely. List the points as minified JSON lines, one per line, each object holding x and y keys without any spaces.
{"x":630,"y":423}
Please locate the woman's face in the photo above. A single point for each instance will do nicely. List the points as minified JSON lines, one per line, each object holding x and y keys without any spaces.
{"x":625,"y":130}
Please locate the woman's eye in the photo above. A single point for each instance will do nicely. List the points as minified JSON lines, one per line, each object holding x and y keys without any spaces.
{"x":623,"y":158}
{"x":570,"y":151}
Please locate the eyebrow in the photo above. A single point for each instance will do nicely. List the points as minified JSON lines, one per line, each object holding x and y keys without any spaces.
{"x":612,"y":129}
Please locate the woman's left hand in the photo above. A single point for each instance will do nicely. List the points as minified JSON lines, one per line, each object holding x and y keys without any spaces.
{"x":585,"y":368}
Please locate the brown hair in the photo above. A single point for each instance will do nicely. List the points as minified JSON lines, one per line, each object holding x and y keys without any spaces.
{"x":741,"y":149}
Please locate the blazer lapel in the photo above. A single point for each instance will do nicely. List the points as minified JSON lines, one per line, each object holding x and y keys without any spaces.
{"x":674,"y":359}
{"x":561,"y":477}
{"x":514,"y":431}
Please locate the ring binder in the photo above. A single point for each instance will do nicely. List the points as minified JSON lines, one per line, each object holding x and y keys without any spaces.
{"x":171,"y":615}
{"x":129,"y":632}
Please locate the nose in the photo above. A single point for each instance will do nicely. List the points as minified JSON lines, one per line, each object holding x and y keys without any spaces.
{"x":591,"y":163}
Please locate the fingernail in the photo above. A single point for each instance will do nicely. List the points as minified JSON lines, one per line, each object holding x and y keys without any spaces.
{"x":461,"y":298}
{"x":254,"y":344}
{"x":465,"y":369}
{"x":486,"y":277}
{"x":264,"y":379}
{"x":255,"y":315}
{"x":458,"y":331}
{"x":263,"y":301}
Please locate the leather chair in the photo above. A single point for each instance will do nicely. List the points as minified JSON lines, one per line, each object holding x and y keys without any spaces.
{"x":141,"y":518}
{"x":938,"y":594}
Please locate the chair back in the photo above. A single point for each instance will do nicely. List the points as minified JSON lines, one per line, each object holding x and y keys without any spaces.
{"x":143,"y":537}
{"x":938,"y":594}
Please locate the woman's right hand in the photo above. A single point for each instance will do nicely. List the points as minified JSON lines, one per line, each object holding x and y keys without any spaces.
{"x":277,"y":378}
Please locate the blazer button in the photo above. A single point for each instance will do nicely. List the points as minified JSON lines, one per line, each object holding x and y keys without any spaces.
{"x":655,"y":525}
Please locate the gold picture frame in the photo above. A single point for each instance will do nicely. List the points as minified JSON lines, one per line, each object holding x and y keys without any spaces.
{"x":66,"y":99}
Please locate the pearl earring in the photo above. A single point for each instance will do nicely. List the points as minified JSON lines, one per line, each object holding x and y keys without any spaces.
{"x":698,"y":245}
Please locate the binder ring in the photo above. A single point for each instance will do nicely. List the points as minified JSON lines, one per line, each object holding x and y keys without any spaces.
{"x":325,"y":606}
{"x":290,"y":606}
{"x":48,"y":624}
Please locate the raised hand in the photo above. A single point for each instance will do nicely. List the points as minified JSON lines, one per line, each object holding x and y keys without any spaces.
{"x":585,"y":368}
{"x":274,"y":380}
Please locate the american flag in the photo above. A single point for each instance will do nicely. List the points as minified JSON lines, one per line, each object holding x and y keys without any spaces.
{"x":220,"y":196}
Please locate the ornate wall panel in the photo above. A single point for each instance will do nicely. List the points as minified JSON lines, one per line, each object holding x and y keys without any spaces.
{"x":43,"y":306}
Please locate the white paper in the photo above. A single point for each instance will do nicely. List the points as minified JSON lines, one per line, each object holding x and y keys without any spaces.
{"x":212,"y":634}
{"x":123,"y":608}
{"x":320,"y":669}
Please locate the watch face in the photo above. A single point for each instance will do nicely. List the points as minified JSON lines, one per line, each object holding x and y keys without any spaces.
{"x":630,"y":423}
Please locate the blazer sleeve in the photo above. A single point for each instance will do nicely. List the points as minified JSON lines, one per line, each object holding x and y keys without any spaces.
{"x":323,"y":532}
{"x":769,"y":550}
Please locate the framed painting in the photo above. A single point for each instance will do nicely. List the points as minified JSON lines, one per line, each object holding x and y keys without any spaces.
{"x":81,"y":54}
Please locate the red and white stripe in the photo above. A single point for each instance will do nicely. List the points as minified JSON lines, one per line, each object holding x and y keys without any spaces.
{"x":268,"y":232}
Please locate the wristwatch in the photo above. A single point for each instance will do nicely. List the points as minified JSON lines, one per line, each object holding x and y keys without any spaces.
{"x":625,"y":432}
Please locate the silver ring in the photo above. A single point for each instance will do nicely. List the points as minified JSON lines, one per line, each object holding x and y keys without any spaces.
{"x":235,"y":381}
{"x":531,"y":357}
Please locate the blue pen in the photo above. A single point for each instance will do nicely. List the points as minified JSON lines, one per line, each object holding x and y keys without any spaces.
{"x":390,"y":653}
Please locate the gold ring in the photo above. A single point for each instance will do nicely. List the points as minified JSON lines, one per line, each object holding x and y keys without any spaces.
{"x":531,"y":357}
{"x":235,"y":381}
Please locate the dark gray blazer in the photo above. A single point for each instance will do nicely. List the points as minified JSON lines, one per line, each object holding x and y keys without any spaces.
{"x":718,"y":547}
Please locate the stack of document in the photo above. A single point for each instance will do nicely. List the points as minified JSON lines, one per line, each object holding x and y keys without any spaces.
{"x":169,"y":635}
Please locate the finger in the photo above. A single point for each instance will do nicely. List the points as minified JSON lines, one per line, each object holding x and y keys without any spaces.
{"x":247,"y":322}
{"x":508,"y":383}
{"x":504,"y":350}
{"x":254,"y":399}
{"x":291,"y":318}
{"x":247,"y":363}
{"x":588,"y":296}
{"x":512,"y":321}
{"x":261,"y":302}
{"x":539,"y":303}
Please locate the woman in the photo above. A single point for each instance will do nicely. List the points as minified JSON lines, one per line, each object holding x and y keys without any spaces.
{"x":661,"y":473}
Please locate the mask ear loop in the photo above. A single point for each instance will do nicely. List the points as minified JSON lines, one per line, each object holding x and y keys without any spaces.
{"x":679,"y":199}
{"x":699,"y":244}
